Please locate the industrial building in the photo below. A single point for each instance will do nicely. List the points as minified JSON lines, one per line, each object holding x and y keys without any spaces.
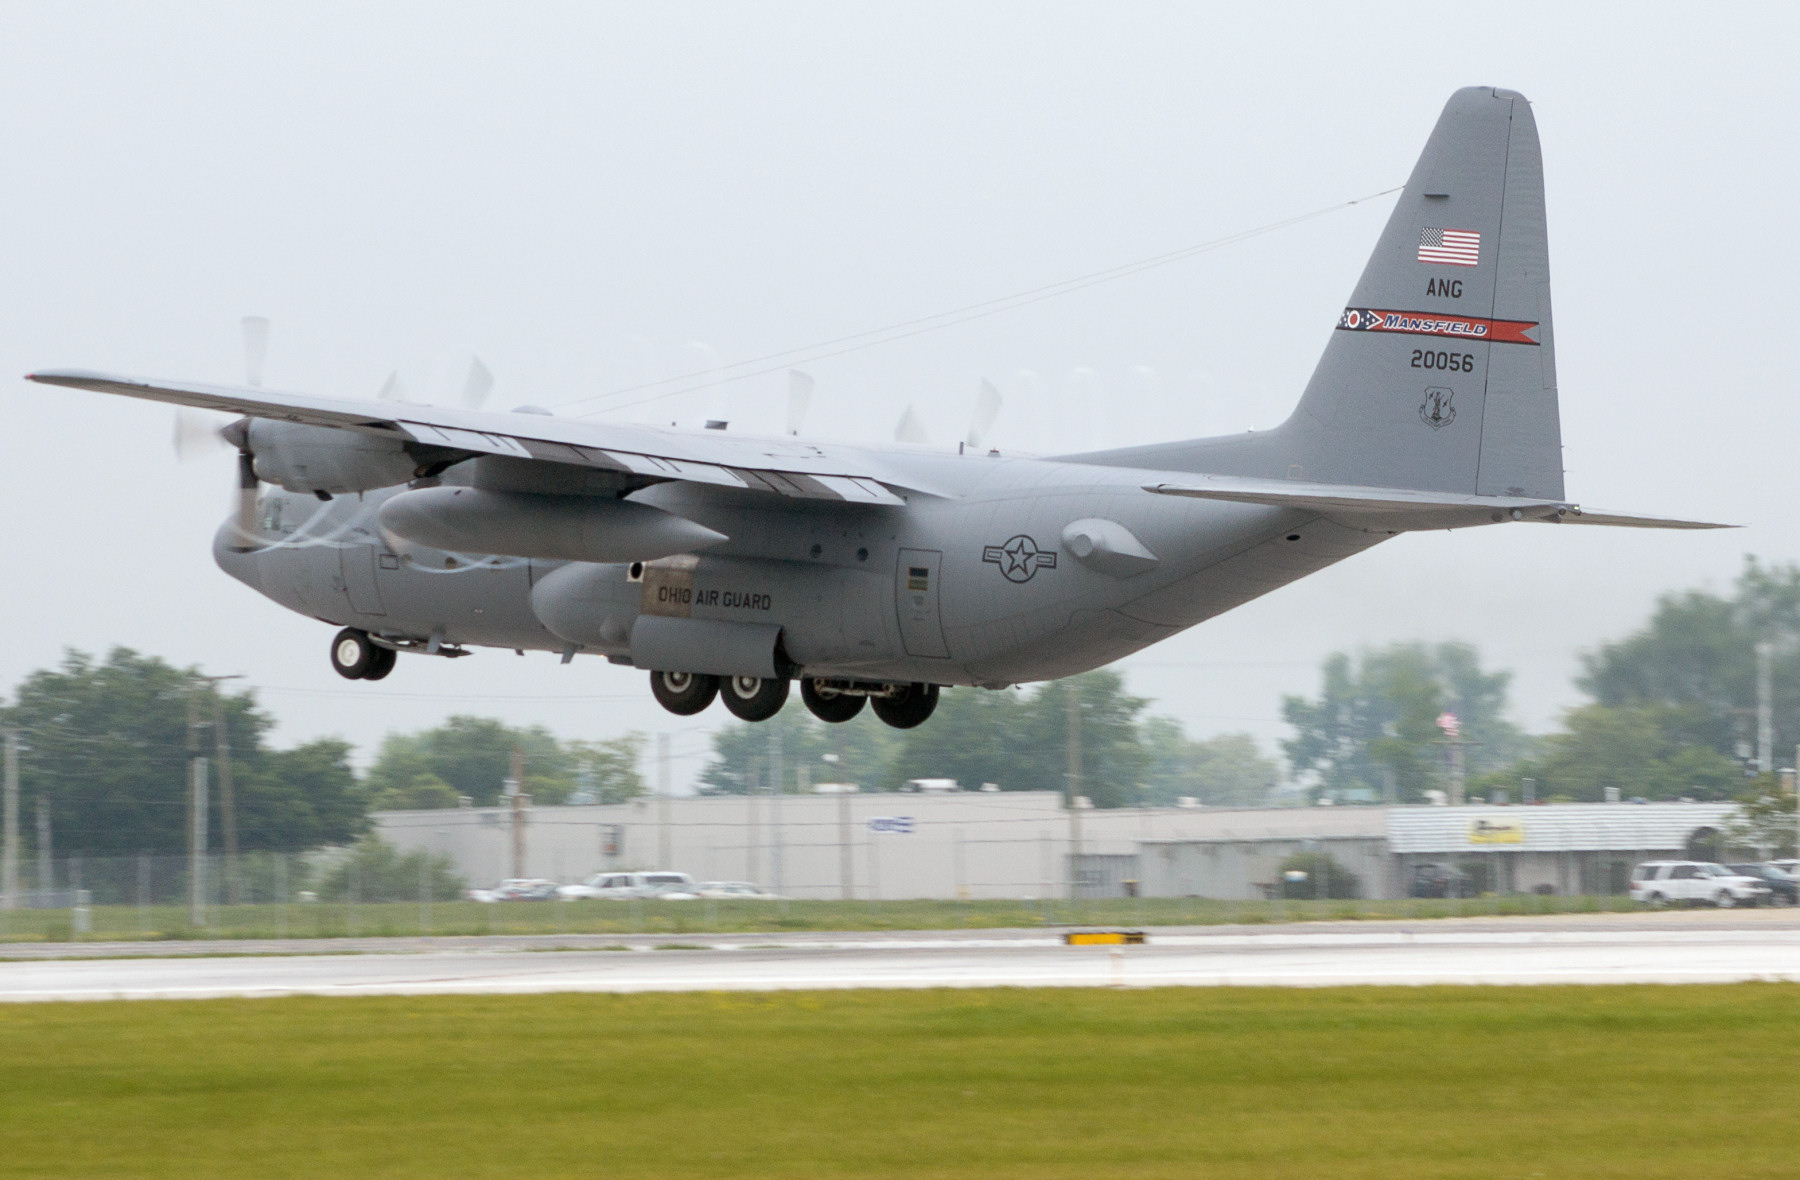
{"x":1021,"y":844}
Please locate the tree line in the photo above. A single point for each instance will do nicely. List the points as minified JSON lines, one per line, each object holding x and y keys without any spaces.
{"x":106,"y":743}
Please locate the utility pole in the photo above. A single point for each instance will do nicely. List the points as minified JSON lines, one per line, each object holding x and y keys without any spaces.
{"x":9,"y":846}
{"x":197,"y":807}
{"x":664,"y":855}
{"x":777,"y":783}
{"x":1765,"y":707}
{"x":46,"y":858}
{"x":846,"y":867}
{"x":1073,"y":723}
{"x":197,"y":843}
{"x":515,"y":793}
{"x":234,"y":889}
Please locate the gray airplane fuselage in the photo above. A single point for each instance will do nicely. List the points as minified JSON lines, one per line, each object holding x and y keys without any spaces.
{"x":995,"y":581}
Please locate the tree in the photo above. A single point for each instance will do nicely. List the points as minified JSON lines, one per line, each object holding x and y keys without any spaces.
{"x":473,"y":756}
{"x":605,"y":771}
{"x":1372,"y":733}
{"x":106,"y":748}
{"x":1765,"y":823}
{"x":1018,"y":741}
{"x":1654,"y":752}
{"x":1698,"y":653}
{"x":376,"y":871}
{"x":1340,"y":884}
{"x":741,"y":752}
{"x":1224,"y":771}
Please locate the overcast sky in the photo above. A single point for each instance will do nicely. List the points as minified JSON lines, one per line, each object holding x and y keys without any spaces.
{"x":592,"y":196}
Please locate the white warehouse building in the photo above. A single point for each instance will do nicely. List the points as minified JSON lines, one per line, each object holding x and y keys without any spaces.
{"x":1022,"y":844}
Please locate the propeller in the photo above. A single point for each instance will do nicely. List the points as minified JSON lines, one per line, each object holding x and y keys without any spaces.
{"x":987,"y":408}
{"x":256,"y":349}
{"x":800,"y":391}
{"x":391,"y":390}
{"x":477,"y":385}
{"x":910,"y":428}
{"x":197,"y":432}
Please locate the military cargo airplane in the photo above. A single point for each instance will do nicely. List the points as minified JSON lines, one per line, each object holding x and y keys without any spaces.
{"x":728,"y":565}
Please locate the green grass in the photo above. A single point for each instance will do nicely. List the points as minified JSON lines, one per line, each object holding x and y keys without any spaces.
{"x":335,"y":920}
{"x":1433,"y":1082}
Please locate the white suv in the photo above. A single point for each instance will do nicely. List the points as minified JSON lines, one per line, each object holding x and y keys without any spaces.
{"x":626,"y":886}
{"x":1693,"y":882}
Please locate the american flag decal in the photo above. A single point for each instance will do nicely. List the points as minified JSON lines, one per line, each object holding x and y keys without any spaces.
{"x":1450,"y":247}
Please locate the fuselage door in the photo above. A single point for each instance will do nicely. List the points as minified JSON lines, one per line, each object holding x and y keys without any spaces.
{"x":916,"y":594}
{"x":358,"y":565}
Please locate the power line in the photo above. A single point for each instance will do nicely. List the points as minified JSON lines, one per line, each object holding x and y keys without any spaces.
{"x":905,"y":329}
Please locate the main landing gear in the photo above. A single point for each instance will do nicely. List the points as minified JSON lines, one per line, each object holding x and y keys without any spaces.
{"x":357,"y":657}
{"x":753,"y":698}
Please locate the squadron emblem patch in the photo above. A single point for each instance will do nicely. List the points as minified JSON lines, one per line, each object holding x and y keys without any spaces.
{"x":1437,"y":412}
{"x":1020,"y":558}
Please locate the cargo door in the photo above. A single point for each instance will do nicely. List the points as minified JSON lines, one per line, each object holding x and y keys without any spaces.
{"x":916,"y":594}
{"x":358,"y":567}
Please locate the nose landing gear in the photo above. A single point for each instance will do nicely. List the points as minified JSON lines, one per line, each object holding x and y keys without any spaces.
{"x":357,"y":657}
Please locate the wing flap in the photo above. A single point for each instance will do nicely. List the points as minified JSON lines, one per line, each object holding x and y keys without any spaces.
{"x":781,"y":467}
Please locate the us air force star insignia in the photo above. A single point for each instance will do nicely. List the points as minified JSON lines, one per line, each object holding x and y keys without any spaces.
{"x":1019,"y":558}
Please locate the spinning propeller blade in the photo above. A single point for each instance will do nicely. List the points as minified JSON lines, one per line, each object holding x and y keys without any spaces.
{"x":800,"y":391}
{"x":910,"y":428}
{"x":477,"y":386}
{"x":987,"y":408}
{"x":256,"y":349}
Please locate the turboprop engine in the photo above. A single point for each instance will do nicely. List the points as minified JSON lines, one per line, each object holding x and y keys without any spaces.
{"x":319,"y":459}
{"x":527,"y":524}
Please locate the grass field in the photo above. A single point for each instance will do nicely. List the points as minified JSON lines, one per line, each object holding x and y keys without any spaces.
{"x":333,"y":920}
{"x":1454,"y":1082}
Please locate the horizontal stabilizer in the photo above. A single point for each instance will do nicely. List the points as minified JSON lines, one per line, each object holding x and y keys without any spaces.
{"x":1421,"y":509}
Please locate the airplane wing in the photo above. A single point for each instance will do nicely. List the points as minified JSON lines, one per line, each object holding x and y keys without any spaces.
{"x":1430,"y":509}
{"x":786,"y":467}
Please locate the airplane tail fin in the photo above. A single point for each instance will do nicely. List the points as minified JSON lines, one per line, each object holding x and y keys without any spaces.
{"x":1441,"y":373}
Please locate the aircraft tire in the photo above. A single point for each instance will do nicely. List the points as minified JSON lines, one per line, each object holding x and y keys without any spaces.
{"x":383,"y":663}
{"x":683,"y":693}
{"x":352,"y":654}
{"x":752,"y":698}
{"x":829,"y":704}
{"x":910,"y":708}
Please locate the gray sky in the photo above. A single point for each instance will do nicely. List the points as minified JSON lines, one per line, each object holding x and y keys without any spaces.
{"x":593,"y":196}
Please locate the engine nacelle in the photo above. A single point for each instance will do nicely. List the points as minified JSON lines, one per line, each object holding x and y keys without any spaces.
{"x":524,"y":524}
{"x":304,"y":458}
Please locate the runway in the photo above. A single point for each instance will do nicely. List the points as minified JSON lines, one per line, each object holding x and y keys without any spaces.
{"x":1610,"y":949}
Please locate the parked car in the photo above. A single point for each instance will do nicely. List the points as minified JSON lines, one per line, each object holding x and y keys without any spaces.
{"x":1693,"y":882}
{"x":664,"y":886}
{"x":740,"y":890}
{"x":516,"y":889}
{"x":1784,"y":887}
{"x":1438,"y":880}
